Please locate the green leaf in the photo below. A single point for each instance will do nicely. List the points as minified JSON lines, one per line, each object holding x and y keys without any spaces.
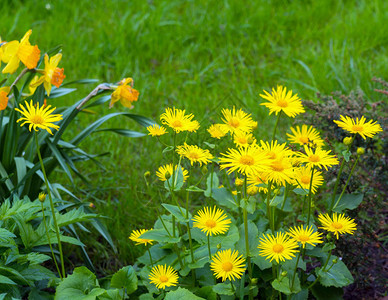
{"x":81,"y":81}
{"x":284,"y":285}
{"x":223,"y":289}
{"x":193,"y":188}
{"x":207,"y":293}
{"x":6,"y":280}
{"x":81,"y":285}
{"x":179,"y":180}
{"x":302,"y":192}
{"x":211,"y":183}
{"x":337,"y":276}
{"x":181,"y":294}
{"x":249,"y":205}
{"x":324,"y":293}
{"x":58,"y":92}
{"x":261,"y":262}
{"x":111,"y":294}
{"x":125,"y":278}
{"x":168,"y":149}
{"x":348,"y":201}
{"x":346,"y":155}
{"x":175,"y":211}
{"x":302,"y":295}
{"x":74,"y":216}
{"x":224,"y":198}
{"x":123,"y":132}
{"x":159,"y":235}
{"x":252,"y":238}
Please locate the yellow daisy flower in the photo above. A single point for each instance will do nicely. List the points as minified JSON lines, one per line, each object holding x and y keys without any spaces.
{"x":163,"y":277}
{"x":307,"y":135}
{"x":125,"y":93}
{"x":260,"y":178}
{"x":15,"y":51}
{"x":320,"y":158}
{"x":237,"y":120}
{"x":302,"y":176}
{"x":228,"y":265}
{"x":243,"y":139}
{"x":280,"y":100}
{"x":248,"y":160}
{"x":135,"y":237}
{"x":4,"y":91}
{"x":156,"y":130}
{"x":178,"y":121}
{"x":52,"y":74}
{"x":216,"y":131}
{"x":305,"y":235}
{"x":163,"y":170}
{"x":337,"y":224}
{"x":212,"y":221}
{"x":368,"y":129}
{"x":194,"y":154}
{"x":277,"y":248}
{"x":281,"y":171}
{"x":276,"y":150}
{"x":38,"y":117}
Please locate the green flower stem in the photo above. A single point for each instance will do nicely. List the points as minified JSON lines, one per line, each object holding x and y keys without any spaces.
{"x":48,"y":238}
{"x":164,"y":225}
{"x":295,"y":270}
{"x":51,"y":205}
{"x":211,"y":180}
{"x":269,"y":208}
{"x":173,"y":225}
{"x":149,"y":253}
{"x":245,"y":213}
{"x":304,"y":204}
{"x":233,"y":289}
{"x":173,"y":163}
{"x":208,"y":247}
{"x":347,"y":181}
{"x":338,"y":177}
{"x":323,"y":269}
{"x":285,"y":195}
{"x":187,"y":217}
{"x":310,"y":196}
{"x":276,"y":125}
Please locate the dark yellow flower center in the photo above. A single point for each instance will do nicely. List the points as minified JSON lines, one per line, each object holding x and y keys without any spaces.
{"x":210,"y":223}
{"x":177,"y":123}
{"x":193,"y":155}
{"x":305,"y":179}
{"x":282,"y":103}
{"x":37,"y":119}
{"x":242,"y":140}
{"x":247,"y":160}
{"x":227,"y":266}
{"x":277,"y":166}
{"x":163,"y":278}
{"x":357,"y":128}
{"x":304,"y":238}
{"x":234,"y":122}
{"x":337,"y":225}
{"x":277,"y":248}
{"x":304,"y":139}
{"x":314,"y":158}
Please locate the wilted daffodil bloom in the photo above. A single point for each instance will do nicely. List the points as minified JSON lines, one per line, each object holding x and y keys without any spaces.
{"x":4,"y":91}
{"x":51,"y":74}
{"x":15,"y":51}
{"x":125,"y":93}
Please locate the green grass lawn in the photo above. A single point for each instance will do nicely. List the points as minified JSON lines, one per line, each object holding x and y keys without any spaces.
{"x":197,"y":55}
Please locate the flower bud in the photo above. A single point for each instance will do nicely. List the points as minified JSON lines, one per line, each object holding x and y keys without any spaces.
{"x":167,"y":175}
{"x":42,"y":197}
{"x":254,"y":125}
{"x":219,"y":246}
{"x":239,"y":182}
{"x":360,"y":151}
{"x":250,"y":140}
{"x":276,"y":192}
{"x":335,"y":261}
{"x":252,"y":190}
{"x":284,"y":273}
{"x":347,"y":141}
{"x":147,"y":174}
{"x":254,"y":281}
{"x":91,"y":205}
{"x":204,"y":170}
{"x":329,"y":236}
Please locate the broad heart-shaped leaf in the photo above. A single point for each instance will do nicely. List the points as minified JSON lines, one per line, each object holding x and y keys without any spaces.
{"x":181,"y":294}
{"x":81,"y":285}
{"x":284,"y":285}
{"x":180,"y":214}
{"x":178,"y":175}
{"x":159,"y":235}
{"x":252,"y":239}
{"x":302,"y":295}
{"x":223,"y":289}
{"x":249,"y":204}
{"x":261,"y":262}
{"x":111,"y":294}
{"x":324,"y":293}
{"x":125,"y":278}
{"x":224,"y":198}
{"x":348,"y":201}
{"x":211,"y":183}
{"x":337,"y":276}
{"x":346,"y":155}
{"x":207,"y":292}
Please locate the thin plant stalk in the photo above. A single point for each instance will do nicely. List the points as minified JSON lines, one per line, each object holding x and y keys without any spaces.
{"x":187,"y":217}
{"x":269,"y":208}
{"x":276,"y":125}
{"x":347,"y":181}
{"x":51,"y":205}
{"x":208,"y":247}
{"x":49,"y":242}
{"x":149,"y":253}
{"x":310,"y":196}
{"x":245,"y":213}
{"x":296,"y":269}
{"x":285,"y":195}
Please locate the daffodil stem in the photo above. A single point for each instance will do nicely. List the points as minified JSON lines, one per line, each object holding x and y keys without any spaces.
{"x":51,"y":205}
{"x":93,"y":93}
{"x":296,"y":269}
{"x":276,"y":125}
{"x":49,"y":242}
{"x":269,"y":207}
{"x":149,"y":253}
{"x":338,"y":178}
{"x":208,"y":247}
{"x":1,"y":122}
{"x":310,"y":196}
{"x":347,"y":182}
